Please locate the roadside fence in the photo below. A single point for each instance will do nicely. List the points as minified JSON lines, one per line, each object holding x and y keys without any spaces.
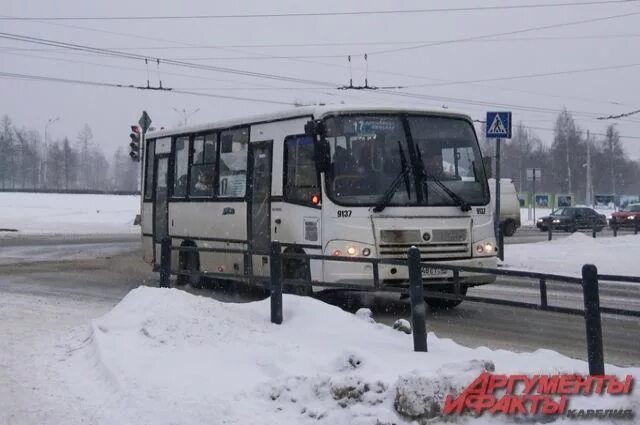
{"x":416,"y":290}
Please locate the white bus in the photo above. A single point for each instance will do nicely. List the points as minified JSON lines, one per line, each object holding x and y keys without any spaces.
{"x":332,"y":180}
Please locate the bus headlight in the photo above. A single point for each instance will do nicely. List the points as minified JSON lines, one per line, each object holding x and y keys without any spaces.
{"x":348,"y":249}
{"x":485,"y":248}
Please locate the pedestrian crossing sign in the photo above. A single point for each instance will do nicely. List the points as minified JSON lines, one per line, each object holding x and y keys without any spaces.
{"x":498,"y":125}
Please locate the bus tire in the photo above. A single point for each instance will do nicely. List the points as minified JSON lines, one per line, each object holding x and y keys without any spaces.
{"x":441,"y":303}
{"x":297,"y":269}
{"x":509,"y":228}
{"x":190,"y":262}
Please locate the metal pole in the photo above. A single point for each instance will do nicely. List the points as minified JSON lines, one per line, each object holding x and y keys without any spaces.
{"x":418,"y":310}
{"x":533,"y":195}
{"x":165,"y":262}
{"x":593,"y":325}
{"x":550,"y":228}
{"x":543,"y":293}
{"x":496,"y":219}
{"x":276,"y":282}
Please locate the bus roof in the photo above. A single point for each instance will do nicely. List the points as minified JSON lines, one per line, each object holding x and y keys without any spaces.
{"x":305,"y":111}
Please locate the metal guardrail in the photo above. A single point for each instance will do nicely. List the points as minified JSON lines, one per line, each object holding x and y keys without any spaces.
{"x":614,"y":225}
{"x":416,"y":291}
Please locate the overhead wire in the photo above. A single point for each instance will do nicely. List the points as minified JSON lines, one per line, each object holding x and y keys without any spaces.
{"x":503,"y":33}
{"x":45,"y":78}
{"x":321,"y":14}
{"x":189,"y":46}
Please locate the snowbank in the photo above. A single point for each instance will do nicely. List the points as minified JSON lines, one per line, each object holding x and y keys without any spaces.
{"x":55,"y":213}
{"x":164,"y":356}
{"x":568,"y":255}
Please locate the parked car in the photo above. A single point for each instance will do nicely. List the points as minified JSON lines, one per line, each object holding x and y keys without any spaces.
{"x":571,"y":219}
{"x":509,"y":205}
{"x":626,"y":216}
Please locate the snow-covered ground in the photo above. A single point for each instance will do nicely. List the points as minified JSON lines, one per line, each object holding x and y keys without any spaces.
{"x":81,"y":251}
{"x":164,"y":356}
{"x":55,"y":213}
{"x":567,"y":255}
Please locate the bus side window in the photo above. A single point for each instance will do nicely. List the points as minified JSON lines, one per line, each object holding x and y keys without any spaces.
{"x":149,"y":166}
{"x":300,"y":174}
{"x":233,"y":163}
{"x":181,"y":167}
{"x":203,"y":166}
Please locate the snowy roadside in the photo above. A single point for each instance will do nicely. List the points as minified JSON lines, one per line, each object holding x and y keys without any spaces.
{"x":163,"y":356}
{"x":68,"y":214}
{"x":568,"y":255}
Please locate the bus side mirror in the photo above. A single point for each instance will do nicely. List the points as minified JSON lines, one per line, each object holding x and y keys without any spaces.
{"x":316,"y":129}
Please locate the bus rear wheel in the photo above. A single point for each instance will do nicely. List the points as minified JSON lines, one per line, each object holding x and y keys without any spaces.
{"x":441,"y":303}
{"x":298,"y":270}
{"x":190,"y":264}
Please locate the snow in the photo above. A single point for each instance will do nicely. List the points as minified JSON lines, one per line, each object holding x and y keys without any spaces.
{"x":567,"y":255}
{"x":79,"y":251}
{"x":55,"y":213}
{"x":163,"y":356}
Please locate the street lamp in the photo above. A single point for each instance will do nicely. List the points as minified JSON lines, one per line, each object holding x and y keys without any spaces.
{"x":46,"y":151}
{"x":185,"y":116}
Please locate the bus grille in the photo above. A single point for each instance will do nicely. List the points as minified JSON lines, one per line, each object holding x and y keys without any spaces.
{"x":429,"y":251}
{"x":443,"y":244}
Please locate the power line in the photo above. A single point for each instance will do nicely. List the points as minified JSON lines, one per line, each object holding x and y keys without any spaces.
{"x":524,"y":76}
{"x":318,"y":14}
{"x":125,"y":86}
{"x":126,"y":55}
{"x":500,"y":34}
{"x":189,"y":46}
{"x":615,"y":117}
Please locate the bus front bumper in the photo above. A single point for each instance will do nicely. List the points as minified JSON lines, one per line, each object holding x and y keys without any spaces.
{"x":361,"y":274}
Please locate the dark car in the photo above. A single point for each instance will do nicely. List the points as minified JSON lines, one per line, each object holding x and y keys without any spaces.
{"x":626,"y":216}
{"x":571,"y":219}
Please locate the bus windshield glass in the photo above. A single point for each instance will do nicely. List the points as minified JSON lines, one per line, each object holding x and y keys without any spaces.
{"x":366,"y":154}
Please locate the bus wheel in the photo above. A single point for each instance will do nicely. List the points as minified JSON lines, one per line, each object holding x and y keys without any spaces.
{"x":441,"y":303}
{"x":298,"y":270}
{"x":189,"y":262}
{"x":509,"y":228}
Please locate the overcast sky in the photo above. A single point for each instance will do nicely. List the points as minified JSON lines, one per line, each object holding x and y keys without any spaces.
{"x":110,"y":111}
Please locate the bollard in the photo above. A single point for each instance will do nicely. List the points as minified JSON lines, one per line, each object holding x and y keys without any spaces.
{"x":276,"y":282}
{"x":614,"y":226}
{"x":500,"y":245}
{"x":636,"y":224}
{"x":165,"y":262}
{"x":418,"y":309}
{"x":456,"y":282}
{"x":593,"y":230}
{"x":593,"y":325}
{"x":550,"y":229}
{"x":543,"y":293}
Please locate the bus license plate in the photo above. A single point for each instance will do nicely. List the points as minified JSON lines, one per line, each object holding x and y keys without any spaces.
{"x":431,"y":272}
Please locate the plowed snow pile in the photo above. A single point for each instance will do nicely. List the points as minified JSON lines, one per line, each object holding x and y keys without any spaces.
{"x":568,"y":255}
{"x":163,"y":356}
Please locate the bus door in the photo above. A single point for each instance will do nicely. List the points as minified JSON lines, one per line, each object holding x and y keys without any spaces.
{"x":160,"y":206}
{"x":259,"y":208}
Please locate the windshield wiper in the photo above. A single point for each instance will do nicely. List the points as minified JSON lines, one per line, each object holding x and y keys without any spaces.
{"x":404,"y":175}
{"x":464,"y":206}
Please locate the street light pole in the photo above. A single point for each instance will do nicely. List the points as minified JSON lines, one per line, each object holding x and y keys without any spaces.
{"x":46,"y":151}
{"x":185,"y":116}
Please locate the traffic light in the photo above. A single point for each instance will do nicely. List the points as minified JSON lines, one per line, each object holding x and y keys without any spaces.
{"x":135,"y":143}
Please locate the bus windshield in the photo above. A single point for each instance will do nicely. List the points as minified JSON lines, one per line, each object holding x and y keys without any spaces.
{"x":366,"y":154}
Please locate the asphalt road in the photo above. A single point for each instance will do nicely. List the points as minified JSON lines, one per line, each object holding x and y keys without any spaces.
{"x":107,"y":279}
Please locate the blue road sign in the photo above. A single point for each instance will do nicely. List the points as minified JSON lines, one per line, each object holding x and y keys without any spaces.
{"x":498,"y":125}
